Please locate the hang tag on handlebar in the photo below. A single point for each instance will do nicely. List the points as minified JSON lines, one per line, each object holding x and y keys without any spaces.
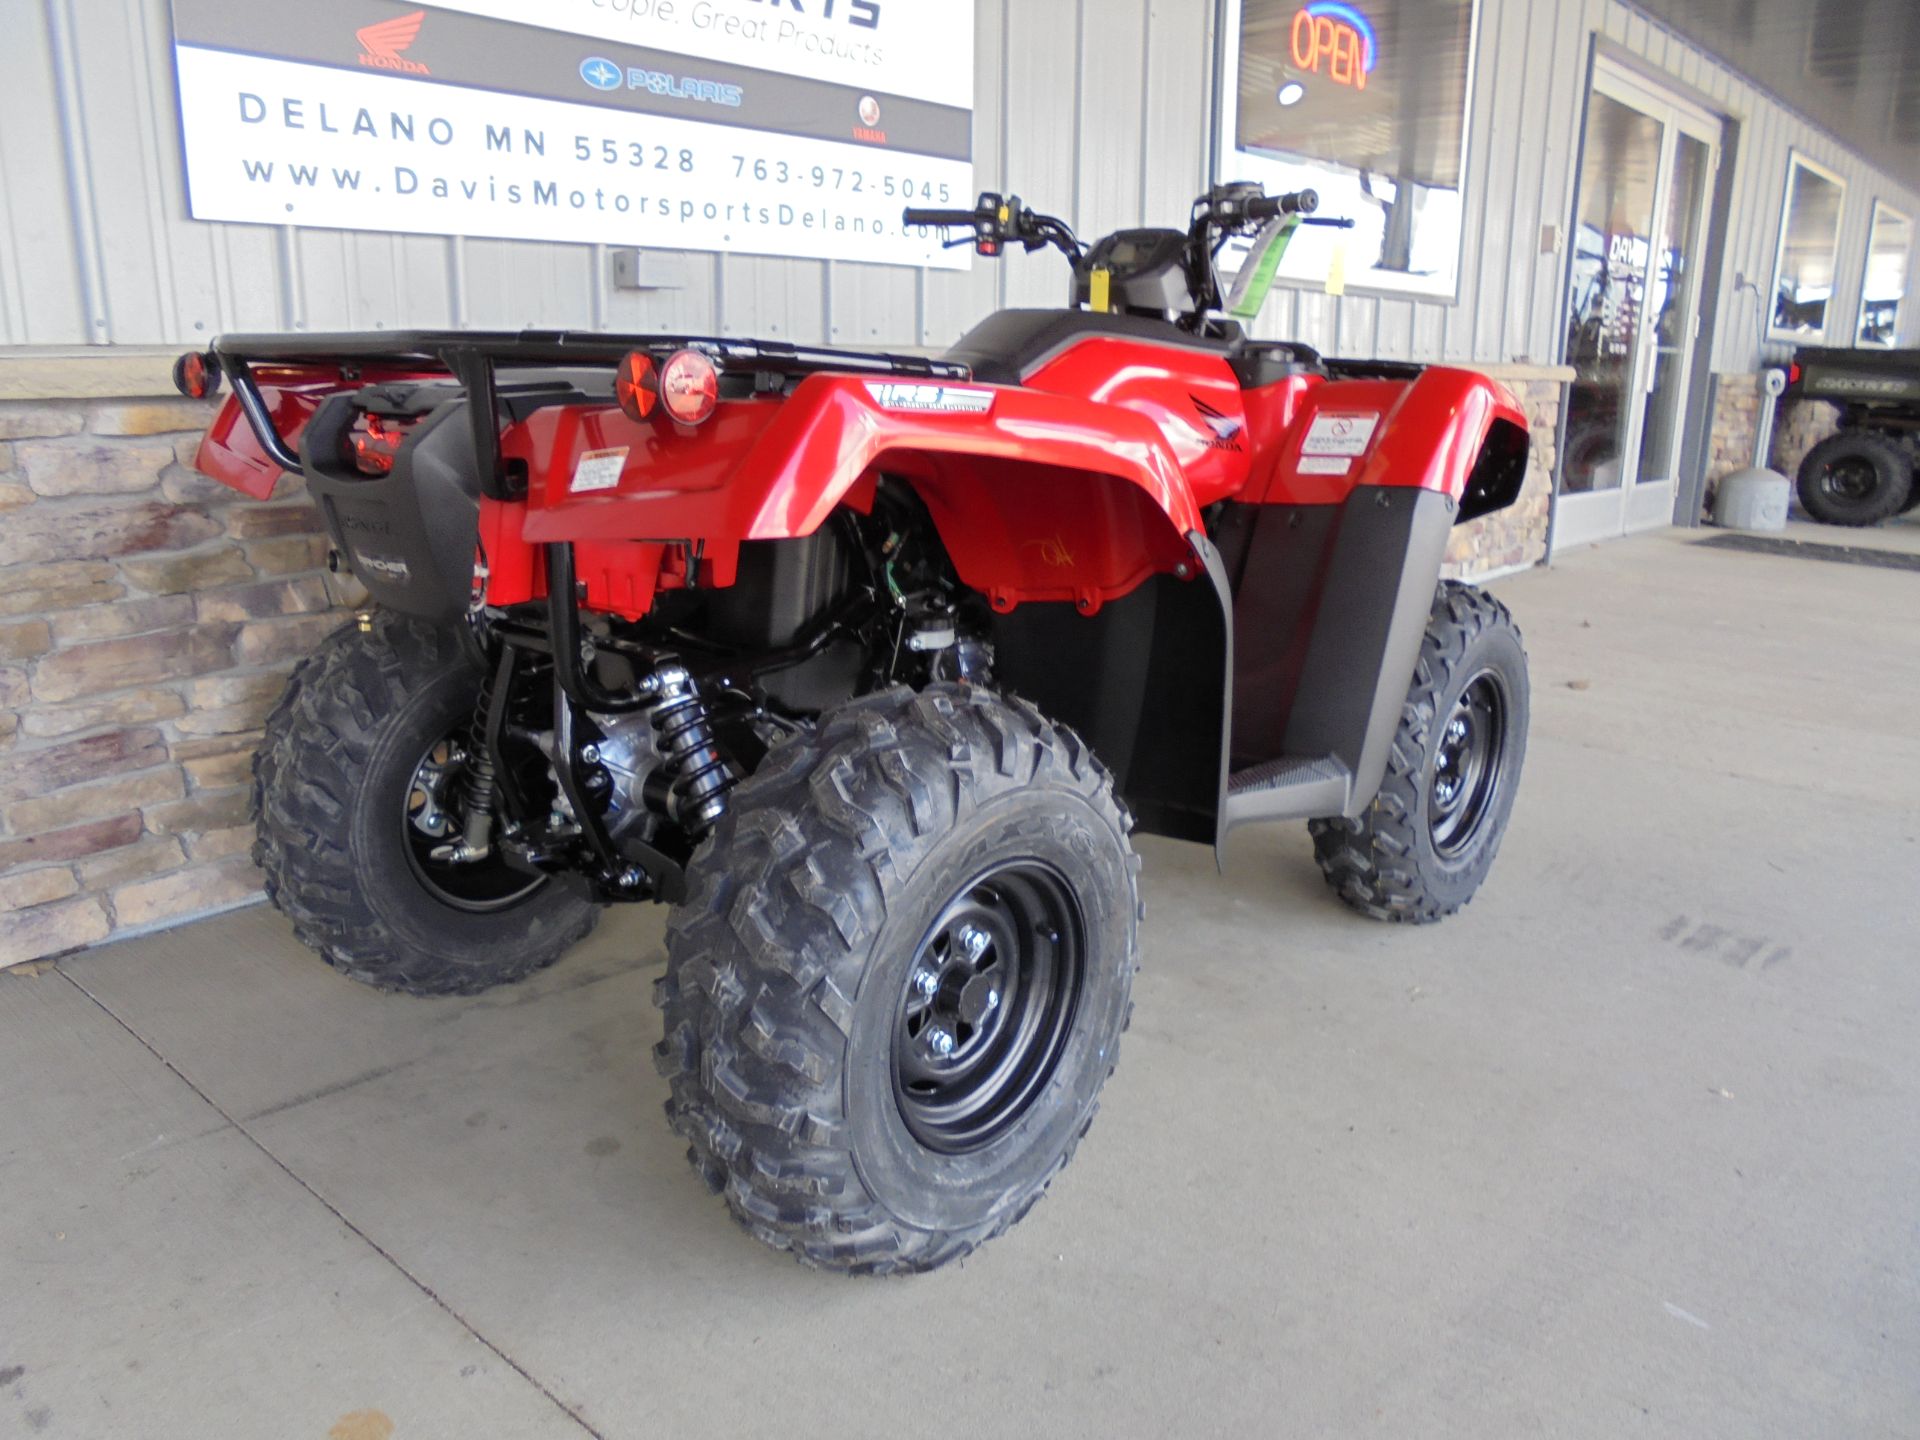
{"x":1100,"y":289}
{"x":1255,"y":279}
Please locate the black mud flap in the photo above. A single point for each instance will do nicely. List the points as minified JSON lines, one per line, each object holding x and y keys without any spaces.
{"x":1330,"y":607}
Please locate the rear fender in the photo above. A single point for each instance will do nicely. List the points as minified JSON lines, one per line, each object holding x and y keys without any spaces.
{"x":1037,"y":497}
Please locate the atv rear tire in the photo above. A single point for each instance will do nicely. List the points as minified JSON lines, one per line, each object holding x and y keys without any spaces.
{"x":333,"y":783}
{"x":900,"y":979}
{"x":1422,"y":848}
{"x":1857,"y":477}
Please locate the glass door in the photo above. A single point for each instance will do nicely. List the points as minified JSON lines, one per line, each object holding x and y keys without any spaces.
{"x":1646,"y":174}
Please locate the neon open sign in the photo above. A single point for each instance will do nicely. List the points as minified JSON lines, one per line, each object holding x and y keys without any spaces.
{"x":1336,"y":39}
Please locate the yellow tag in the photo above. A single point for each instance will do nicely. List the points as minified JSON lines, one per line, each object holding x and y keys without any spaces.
{"x":1006,"y":213}
{"x":1098,"y":288}
{"x":1337,"y":268}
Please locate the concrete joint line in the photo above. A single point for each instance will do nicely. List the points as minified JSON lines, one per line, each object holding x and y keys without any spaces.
{"x":335,"y":1211}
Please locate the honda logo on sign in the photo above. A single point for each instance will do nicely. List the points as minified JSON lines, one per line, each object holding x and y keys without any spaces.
{"x":381,"y":44}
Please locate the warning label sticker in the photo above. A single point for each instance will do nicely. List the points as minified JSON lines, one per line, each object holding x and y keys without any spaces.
{"x":599,"y":470}
{"x":1323,"y":465}
{"x":1340,"y":434}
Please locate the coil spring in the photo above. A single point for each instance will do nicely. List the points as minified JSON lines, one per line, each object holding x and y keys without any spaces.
{"x":701,"y":775}
{"x":476,"y":833}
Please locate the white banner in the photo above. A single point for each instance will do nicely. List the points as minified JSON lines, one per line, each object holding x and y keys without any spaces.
{"x":732,"y":125}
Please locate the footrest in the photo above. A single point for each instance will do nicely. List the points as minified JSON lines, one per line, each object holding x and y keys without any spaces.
{"x":1290,"y":787}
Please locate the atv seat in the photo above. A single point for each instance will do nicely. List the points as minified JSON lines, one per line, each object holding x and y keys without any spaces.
{"x":1008,"y":347}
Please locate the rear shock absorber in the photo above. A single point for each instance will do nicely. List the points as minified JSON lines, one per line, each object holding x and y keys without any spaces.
{"x":701,"y":774}
{"x":476,"y":836}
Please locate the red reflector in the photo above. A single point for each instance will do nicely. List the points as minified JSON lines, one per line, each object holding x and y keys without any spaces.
{"x":196,"y":376}
{"x":1793,"y":373}
{"x":689,"y":386}
{"x":374,"y":441}
{"x":635,"y":385}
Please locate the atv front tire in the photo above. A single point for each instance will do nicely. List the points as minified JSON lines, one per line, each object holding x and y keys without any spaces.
{"x":1422,"y":848}
{"x":900,"y":978}
{"x":1857,"y":477}
{"x":338,"y":787}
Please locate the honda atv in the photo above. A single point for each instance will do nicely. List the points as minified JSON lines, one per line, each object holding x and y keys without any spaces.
{"x":870,"y":666}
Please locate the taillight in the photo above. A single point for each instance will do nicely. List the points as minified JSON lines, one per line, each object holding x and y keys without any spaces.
{"x":635,"y":385}
{"x":1793,"y":373}
{"x":195,"y":375}
{"x":689,"y":386}
{"x":375,"y":440}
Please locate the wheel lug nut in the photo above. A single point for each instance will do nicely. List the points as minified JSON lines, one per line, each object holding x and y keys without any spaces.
{"x":974,"y":941}
{"x":927,"y":983}
{"x":940,"y":1041}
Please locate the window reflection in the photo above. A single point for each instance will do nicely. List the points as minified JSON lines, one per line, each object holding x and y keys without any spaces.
{"x":1884,"y":285}
{"x":1809,"y":240}
{"x":1608,"y":300}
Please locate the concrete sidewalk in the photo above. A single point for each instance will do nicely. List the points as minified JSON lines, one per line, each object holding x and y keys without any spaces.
{"x":1632,"y":1146}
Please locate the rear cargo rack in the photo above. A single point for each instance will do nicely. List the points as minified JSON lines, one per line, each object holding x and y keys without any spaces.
{"x":474,"y":358}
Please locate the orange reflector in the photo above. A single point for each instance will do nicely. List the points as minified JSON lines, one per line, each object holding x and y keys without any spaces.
{"x":635,"y":385}
{"x":689,"y":386}
{"x":196,"y":376}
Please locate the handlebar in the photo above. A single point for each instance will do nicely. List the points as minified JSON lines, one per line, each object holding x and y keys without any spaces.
{"x":912,"y":215}
{"x":995,"y":220}
{"x":1297,"y":202}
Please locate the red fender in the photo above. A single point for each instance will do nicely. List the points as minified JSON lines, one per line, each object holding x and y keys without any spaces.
{"x":1037,"y":496}
{"x":1426,"y":433}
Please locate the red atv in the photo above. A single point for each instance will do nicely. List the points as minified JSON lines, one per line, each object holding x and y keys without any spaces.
{"x":869,"y":665}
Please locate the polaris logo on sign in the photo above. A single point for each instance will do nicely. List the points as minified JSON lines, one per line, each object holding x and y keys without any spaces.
{"x":601,"y":73}
{"x":931,"y":399}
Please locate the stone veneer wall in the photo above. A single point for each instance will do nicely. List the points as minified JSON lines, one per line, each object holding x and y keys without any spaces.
{"x":1798,"y":426}
{"x":1736,"y":416}
{"x":1515,"y":537}
{"x":148,"y":618}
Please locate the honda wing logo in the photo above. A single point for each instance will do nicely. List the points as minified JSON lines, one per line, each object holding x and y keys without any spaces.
{"x":381,"y":44}
{"x":1226,"y":430}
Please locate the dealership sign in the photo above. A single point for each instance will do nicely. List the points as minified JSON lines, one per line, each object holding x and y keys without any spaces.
{"x":775,"y":127}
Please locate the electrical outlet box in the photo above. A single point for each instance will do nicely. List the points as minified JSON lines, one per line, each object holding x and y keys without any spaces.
{"x":648,"y":270}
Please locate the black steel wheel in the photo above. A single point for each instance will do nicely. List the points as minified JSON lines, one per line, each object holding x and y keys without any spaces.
{"x":358,"y":770}
{"x":988,"y":1005}
{"x":1421,"y":849}
{"x":1468,"y":763}
{"x":1857,"y":477}
{"x":900,"y":978}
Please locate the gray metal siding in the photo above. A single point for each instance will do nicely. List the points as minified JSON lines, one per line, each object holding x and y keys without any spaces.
{"x":1098,"y":111}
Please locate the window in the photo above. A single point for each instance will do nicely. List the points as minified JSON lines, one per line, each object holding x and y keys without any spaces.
{"x":1884,"y":284}
{"x":1809,"y":245}
{"x":1365,"y":102}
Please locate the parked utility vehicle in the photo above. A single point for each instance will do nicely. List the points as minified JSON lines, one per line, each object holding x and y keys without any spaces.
{"x":869,"y":665}
{"x":1865,"y":472}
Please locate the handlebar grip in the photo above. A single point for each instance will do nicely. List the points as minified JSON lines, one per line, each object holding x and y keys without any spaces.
{"x":915,"y":216}
{"x":1298,"y":202}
